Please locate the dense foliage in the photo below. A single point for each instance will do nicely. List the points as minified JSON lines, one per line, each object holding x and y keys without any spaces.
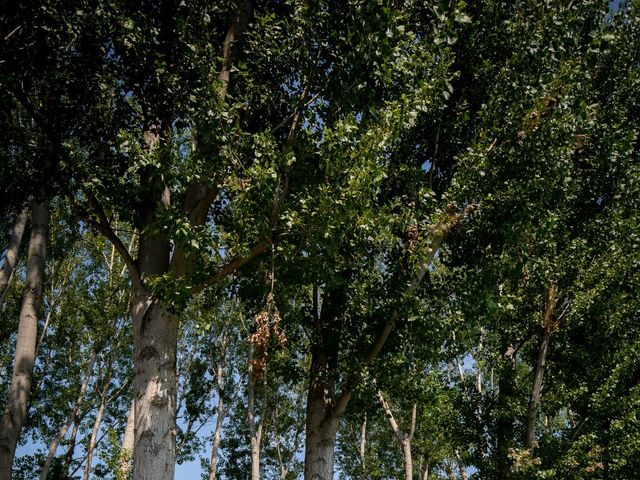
{"x":290,"y":239}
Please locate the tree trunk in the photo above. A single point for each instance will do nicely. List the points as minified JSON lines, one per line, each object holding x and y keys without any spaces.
{"x":321,"y":429}
{"x":155,"y":338}
{"x":363,"y":448}
{"x":549,"y":326}
{"x":72,"y":415}
{"x":408,"y":461}
{"x":217,"y":434}
{"x":126,"y":450}
{"x":255,"y":429}
{"x":94,"y":437}
{"x":424,"y":466}
{"x":403,"y":439}
{"x":323,"y":414}
{"x":18,"y":401}
{"x":504,"y":420}
{"x":71,"y":447}
{"x":463,"y":472}
{"x":11,"y":257}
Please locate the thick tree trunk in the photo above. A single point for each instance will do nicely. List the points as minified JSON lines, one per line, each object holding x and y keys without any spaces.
{"x":72,"y":415}
{"x":549,"y":326}
{"x":126,"y":450}
{"x":18,"y":401}
{"x":323,"y":412}
{"x":11,"y":257}
{"x":155,"y":338}
{"x":321,"y":429}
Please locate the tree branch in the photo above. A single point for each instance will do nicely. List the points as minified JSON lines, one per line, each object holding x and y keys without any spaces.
{"x":232,"y":266}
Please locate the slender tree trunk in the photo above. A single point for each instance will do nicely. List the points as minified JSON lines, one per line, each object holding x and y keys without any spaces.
{"x":255,"y":428}
{"x":104,"y":399}
{"x":11,"y":257}
{"x":408,"y":461}
{"x":18,"y":401}
{"x":363,"y":448}
{"x":403,"y":439}
{"x":71,"y":447}
{"x":74,"y":412}
{"x":504,"y":420}
{"x":449,"y":468}
{"x":94,"y":437}
{"x":463,"y":472}
{"x":217,"y":434}
{"x":424,"y":466}
{"x":549,"y":326}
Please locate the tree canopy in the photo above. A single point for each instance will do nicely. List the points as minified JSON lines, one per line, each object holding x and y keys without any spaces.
{"x":292,"y":239}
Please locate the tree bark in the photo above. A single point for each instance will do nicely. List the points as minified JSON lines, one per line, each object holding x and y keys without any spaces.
{"x":94,"y":437}
{"x":217,"y":434}
{"x":404,"y":439}
{"x":424,"y":466}
{"x":549,"y":326}
{"x":255,"y":429}
{"x":155,"y":338}
{"x":18,"y":401}
{"x":323,"y":412}
{"x":321,"y":429}
{"x":11,"y":257}
{"x":126,"y":450}
{"x":363,"y":448}
{"x":72,"y":415}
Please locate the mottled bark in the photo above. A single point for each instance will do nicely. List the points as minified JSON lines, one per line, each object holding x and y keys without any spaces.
{"x":321,"y":429}
{"x":11,"y":256}
{"x":18,"y":401}
{"x":155,"y":338}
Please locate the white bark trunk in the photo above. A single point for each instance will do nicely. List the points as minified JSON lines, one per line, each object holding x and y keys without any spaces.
{"x":321,"y":428}
{"x":11,"y":257}
{"x":217,"y":434}
{"x":94,"y":437}
{"x":403,"y":439}
{"x":255,"y":429}
{"x":72,"y":415}
{"x":155,"y":334}
{"x":18,"y":401}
